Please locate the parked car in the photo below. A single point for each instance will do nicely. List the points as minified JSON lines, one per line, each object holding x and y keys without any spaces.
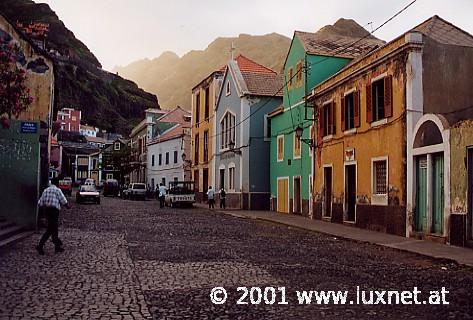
{"x":66,"y":186}
{"x":89,"y":181}
{"x":87,"y":193}
{"x":135,"y":191}
{"x":180,"y":193}
{"x":111,"y":188}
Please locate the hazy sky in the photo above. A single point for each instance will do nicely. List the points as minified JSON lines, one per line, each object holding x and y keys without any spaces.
{"x":121,"y":31}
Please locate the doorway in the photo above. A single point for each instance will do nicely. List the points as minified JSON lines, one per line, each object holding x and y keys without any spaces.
{"x":205,"y":182}
{"x":222,"y":179}
{"x":437,"y":193}
{"x":297,"y":200}
{"x":350,"y":193}
{"x":327,"y":192}
{"x":469,"y":218}
{"x":283,"y":195}
{"x":421,"y":194}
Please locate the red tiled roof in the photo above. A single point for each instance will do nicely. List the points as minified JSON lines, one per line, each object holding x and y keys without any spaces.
{"x":247,"y":65}
{"x":263,"y":84}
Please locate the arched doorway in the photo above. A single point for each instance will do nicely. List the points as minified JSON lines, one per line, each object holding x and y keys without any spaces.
{"x":431,"y":175}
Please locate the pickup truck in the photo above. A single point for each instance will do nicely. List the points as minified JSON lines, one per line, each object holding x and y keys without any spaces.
{"x":66,"y":186}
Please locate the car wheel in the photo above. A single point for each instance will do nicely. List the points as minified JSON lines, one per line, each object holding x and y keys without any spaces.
{"x":98,"y":201}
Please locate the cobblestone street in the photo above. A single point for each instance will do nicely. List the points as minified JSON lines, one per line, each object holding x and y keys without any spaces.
{"x":131,"y":260}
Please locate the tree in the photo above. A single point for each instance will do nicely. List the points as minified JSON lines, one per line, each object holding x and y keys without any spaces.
{"x":14,"y":94}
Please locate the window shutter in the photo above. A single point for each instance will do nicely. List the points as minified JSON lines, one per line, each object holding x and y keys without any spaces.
{"x":369,"y":104}
{"x":332,"y":120}
{"x":356,"y":108}
{"x":388,"y":96}
{"x":321,"y":121}
{"x":343,"y":112}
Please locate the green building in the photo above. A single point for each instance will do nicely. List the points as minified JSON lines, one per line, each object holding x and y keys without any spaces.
{"x":312,"y":58}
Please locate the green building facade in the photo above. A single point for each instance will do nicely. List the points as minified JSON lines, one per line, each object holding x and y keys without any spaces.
{"x":291,"y":171}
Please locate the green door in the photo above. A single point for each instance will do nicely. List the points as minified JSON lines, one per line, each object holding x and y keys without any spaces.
{"x":421,"y":194}
{"x":437,"y":193}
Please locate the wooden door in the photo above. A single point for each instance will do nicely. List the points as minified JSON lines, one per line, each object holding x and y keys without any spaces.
{"x":205,"y":182}
{"x":283,"y":194}
{"x":350,"y":192}
{"x":437,"y":193}
{"x":421,"y":194}
{"x":328,"y":192}
{"x":297,"y":195}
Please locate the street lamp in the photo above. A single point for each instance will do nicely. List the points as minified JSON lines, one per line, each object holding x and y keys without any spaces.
{"x":231,"y":146}
{"x":299,"y":132}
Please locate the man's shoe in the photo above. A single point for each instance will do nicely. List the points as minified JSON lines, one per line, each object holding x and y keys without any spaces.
{"x":40,"y":250}
{"x":59,"y":250}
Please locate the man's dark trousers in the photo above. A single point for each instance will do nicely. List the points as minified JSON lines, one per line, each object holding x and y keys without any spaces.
{"x":52,"y":215}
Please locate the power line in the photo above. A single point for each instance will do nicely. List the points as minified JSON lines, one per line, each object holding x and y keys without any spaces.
{"x":336,"y":53}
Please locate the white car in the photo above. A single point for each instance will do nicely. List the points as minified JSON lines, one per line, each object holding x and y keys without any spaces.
{"x":135,"y":191}
{"x":180,"y":193}
{"x":89,"y":182}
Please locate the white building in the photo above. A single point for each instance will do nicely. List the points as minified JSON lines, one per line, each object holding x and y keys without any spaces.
{"x":168,"y":149}
{"x":88,"y":131}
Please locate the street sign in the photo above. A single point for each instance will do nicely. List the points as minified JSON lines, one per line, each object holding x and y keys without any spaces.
{"x":29,"y":127}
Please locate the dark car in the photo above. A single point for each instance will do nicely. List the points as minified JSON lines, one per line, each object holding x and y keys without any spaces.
{"x":87,"y":193}
{"x":111,"y":188}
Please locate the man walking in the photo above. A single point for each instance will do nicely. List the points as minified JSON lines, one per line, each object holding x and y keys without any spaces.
{"x":51,"y":201}
{"x":211,"y":197}
{"x":162,"y":194}
{"x":223,"y":196}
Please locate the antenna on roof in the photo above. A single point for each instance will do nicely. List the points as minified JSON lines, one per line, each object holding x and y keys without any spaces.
{"x":232,"y":50}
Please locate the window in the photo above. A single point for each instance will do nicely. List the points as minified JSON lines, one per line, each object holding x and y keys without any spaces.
{"x":197,"y":108}
{"x":267,"y":128}
{"x":196,"y":149}
{"x":231,"y":178}
{"x":160,"y":159}
{"x":297,"y":147}
{"x":227,"y":130}
{"x":227,"y":90}
{"x":152,"y":160}
{"x":380,"y":178}
{"x":290,"y":75}
{"x":116,"y":146}
{"x":299,"y":74}
{"x":167,"y":157}
{"x":280,"y":150}
{"x":163,"y":181}
{"x":379,"y":99}
{"x":176,"y":179}
{"x":327,"y":120}
{"x":207,"y":102}
{"x":206,"y":146}
{"x":350,"y":111}
{"x":175,"y":156}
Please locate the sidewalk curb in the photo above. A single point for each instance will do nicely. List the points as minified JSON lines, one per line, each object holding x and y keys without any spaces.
{"x":395,"y":246}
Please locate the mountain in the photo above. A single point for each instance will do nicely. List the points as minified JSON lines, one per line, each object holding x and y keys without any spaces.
{"x":105,"y":99}
{"x":172,"y":78}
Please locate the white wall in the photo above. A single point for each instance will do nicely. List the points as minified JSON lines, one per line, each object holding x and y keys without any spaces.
{"x":169,"y":171}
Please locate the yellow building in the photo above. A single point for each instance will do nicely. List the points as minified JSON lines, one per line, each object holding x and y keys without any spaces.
{"x":204,"y":97}
{"x":360,"y":142}
{"x":382,"y":146}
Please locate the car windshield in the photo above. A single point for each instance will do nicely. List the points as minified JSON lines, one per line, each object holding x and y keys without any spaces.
{"x":181,"y":187}
{"x":140,"y":186}
{"x":88,"y":188}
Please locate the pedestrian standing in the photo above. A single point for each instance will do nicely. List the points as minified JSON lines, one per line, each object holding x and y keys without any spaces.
{"x":162,"y":194}
{"x":211,"y":197}
{"x":51,"y":201}
{"x":223,"y":196}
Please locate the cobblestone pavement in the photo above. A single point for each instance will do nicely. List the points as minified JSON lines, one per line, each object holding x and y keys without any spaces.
{"x":132,"y":260}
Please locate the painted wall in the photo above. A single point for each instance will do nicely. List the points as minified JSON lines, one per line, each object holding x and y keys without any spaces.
{"x":449,"y":89}
{"x":169,"y":171}
{"x":319,"y":68}
{"x":235,"y":105}
{"x":385,"y":140}
{"x":213,"y":82}
{"x":39,"y":74}
{"x":461,"y":137}
{"x":259,"y":149}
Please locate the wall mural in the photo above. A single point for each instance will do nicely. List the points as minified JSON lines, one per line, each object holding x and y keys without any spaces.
{"x":34,"y":65}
